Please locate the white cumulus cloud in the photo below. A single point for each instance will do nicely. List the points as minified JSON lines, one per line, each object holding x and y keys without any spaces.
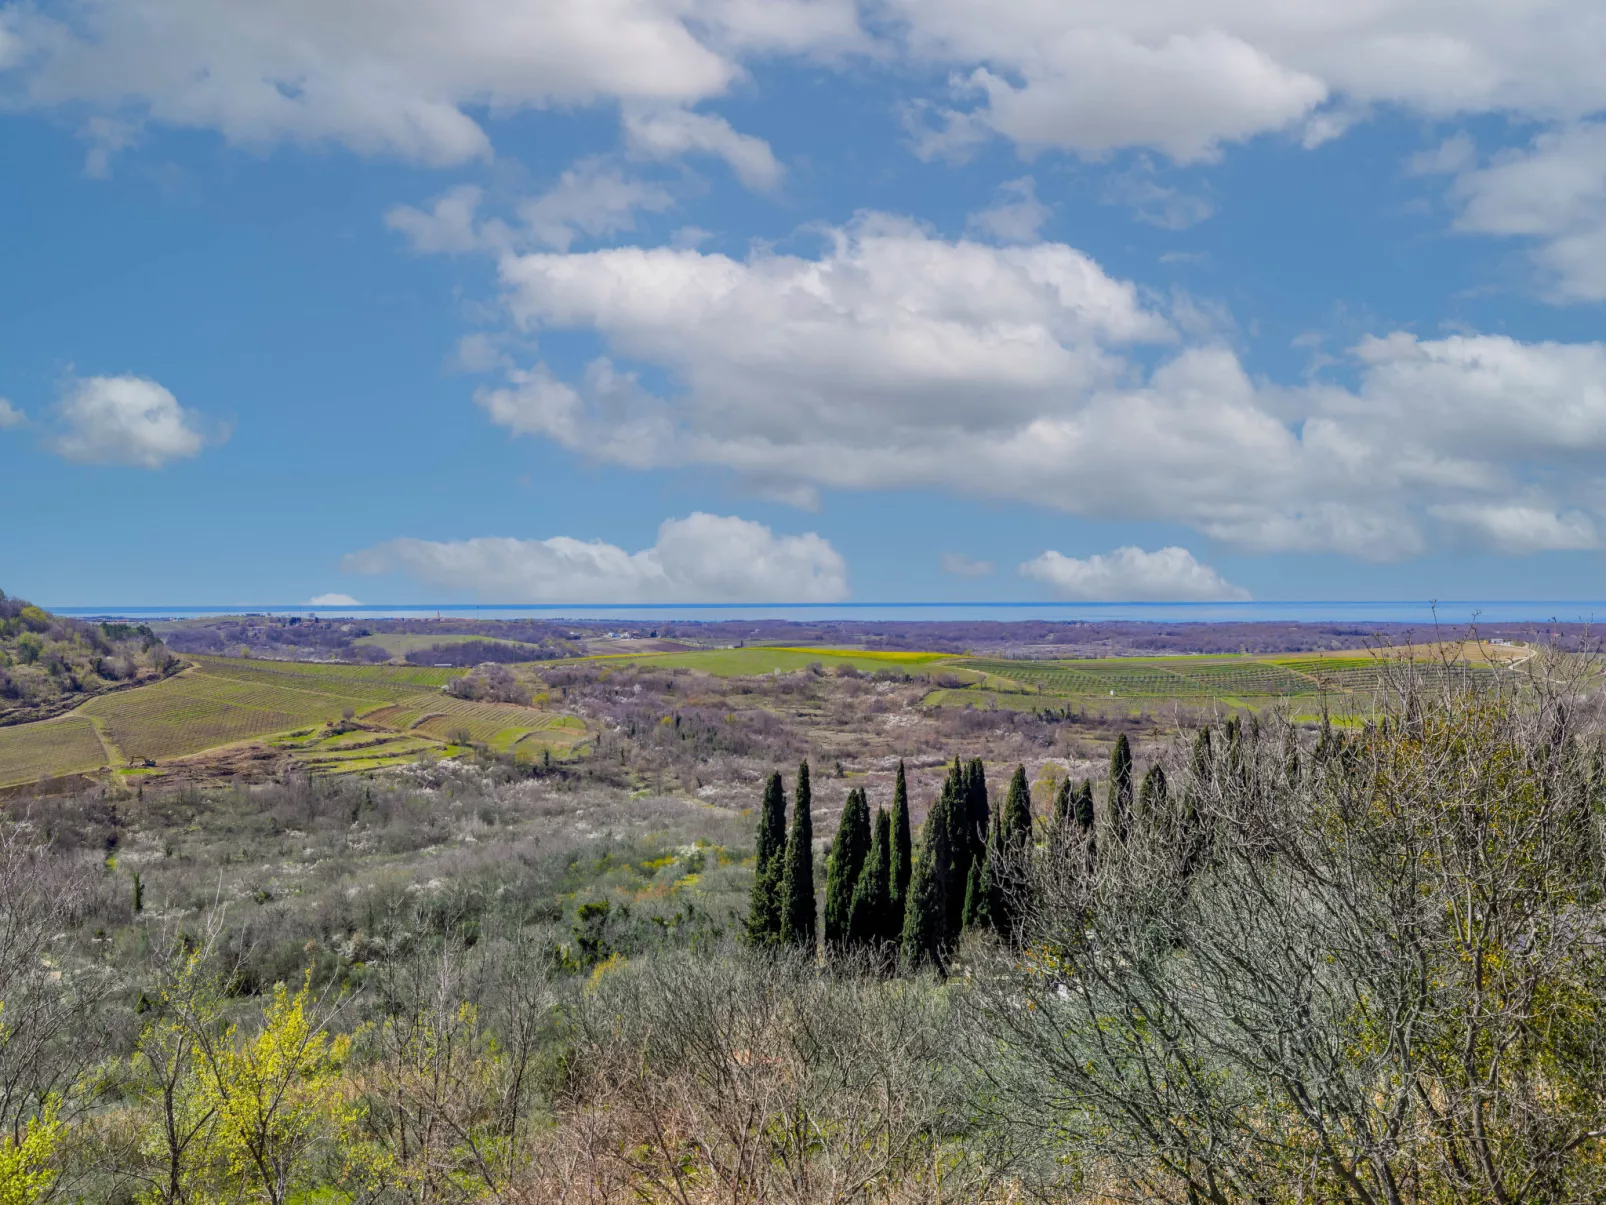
{"x":896,"y":359}
{"x":590,"y":199}
{"x":449,"y":227}
{"x":670,"y":133}
{"x":373,"y":75}
{"x":1132,"y":575}
{"x":701,"y":558}
{"x":10,"y":416}
{"x":1016,"y":217}
{"x":1518,"y":528}
{"x":1187,"y":76}
{"x":1552,"y":194}
{"x":1181,"y":76}
{"x":125,"y":420}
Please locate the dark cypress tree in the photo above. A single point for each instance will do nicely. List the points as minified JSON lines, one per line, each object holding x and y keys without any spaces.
{"x":764,"y":916}
{"x":1008,"y":846}
{"x":967,"y":813}
{"x":924,"y":909}
{"x":978,"y":886}
{"x":1084,"y":807}
{"x":1152,"y":795}
{"x":1119,"y":799}
{"x":798,"y":923}
{"x":870,"y":916}
{"x":1082,"y":813}
{"x":1018,"y":812}
{"x":1200,"y":780}
{"x":843,"y":867}
{"x":902,"y":850}
{"x":980,"y":811}
{"x":1062,"y":805}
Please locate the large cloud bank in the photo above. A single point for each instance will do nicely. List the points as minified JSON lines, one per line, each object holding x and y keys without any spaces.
{"x":701,"y":558}
{"x":1181,"y":76}
{"x":899,"y":359}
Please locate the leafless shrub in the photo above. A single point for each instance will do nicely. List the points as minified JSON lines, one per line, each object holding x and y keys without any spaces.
{"x":1369,"y":971}
{"x":741,"y":1078}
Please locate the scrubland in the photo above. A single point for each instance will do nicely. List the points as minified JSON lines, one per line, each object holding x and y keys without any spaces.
{"x":1349,"y":963}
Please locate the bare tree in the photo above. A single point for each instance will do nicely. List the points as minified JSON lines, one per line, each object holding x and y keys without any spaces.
{"x":752,"y":1079}
{"x":1376,"y":979}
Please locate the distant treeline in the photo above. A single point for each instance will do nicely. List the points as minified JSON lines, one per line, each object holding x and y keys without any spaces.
{"x":477,"y":652}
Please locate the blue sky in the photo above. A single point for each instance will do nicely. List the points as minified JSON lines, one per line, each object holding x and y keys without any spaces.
{"x":725,"y":300}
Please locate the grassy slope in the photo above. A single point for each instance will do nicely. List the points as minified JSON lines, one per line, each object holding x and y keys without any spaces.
{"x":221,"y":701}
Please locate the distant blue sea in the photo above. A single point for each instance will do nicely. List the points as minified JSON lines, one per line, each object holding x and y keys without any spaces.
{"x":1453,"y":612}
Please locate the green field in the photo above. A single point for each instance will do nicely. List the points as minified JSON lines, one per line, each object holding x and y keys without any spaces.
{"x":29,"y":752}
{"x":503,"y":726}
{"x":1235,"y":679}
{"x":748,"y":662}
{"x":400,"y":711}
{"x":224,"y":700}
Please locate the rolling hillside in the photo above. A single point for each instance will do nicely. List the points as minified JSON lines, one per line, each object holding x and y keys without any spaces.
{"x":50,"y":664}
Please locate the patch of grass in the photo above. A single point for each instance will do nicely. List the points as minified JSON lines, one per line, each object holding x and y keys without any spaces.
{"x":1237,"y":681}
{"x":29,"y":752}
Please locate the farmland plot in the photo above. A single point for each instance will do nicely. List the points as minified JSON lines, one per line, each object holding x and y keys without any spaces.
{"x":224,"y":701}
{"x":29,"y":752}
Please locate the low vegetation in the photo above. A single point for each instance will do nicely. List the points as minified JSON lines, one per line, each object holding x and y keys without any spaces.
{"x":1242,"y":960}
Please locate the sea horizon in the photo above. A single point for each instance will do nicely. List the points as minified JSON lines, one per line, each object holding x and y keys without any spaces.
{"x":1454,"y":612}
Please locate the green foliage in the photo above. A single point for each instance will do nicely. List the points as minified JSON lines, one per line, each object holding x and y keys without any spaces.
{"x":50,"y":664}
{"x":1083,"y":810}
{"x":278,"y":1096}
{"x":844,"y":866}
{"x":764,"y":913}
{"x":1017,"y":817}
{"x":873,"y":921}
{"x":1118,"y":799}
{"x":28,"y":1160}
{"x":978,"y":885}
{"x":1152,"y":795}
{"x":967,"y":813}
{"x":925,"y":909}
{"x":798,"y":918}
{"x":902,"y":847}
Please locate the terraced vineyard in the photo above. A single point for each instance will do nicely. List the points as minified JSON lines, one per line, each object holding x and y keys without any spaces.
{"x":224,"y":700}
{"x":29,"y":752}
{"x":503,"y":726}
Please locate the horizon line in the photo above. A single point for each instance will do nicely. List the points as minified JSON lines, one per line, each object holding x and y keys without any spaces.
{"x":252,"y":608}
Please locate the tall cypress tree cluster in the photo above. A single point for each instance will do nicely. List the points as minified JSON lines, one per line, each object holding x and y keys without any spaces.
{"x":798,"y":922}
{"x":886,"y":895}
{"x":764,"y":914}
{"x":863,"y":900}
{"x":844,"y":867}
{"x":873,"y":922}
{"x":965,"y":875}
